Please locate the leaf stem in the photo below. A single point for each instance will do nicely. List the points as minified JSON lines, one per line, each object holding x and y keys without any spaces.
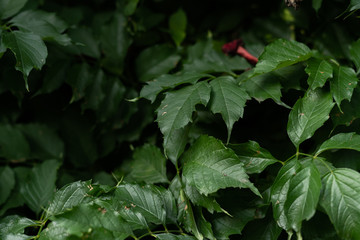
{"x":298,"y":235}
{"x":327,"y":166}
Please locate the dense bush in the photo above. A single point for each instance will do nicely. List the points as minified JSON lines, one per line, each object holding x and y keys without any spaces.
{"x":131,"y":119}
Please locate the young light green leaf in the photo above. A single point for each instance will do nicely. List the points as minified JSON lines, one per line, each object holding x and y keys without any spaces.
{"x":177,"y":26}
{"x":343,"y":84}
{"x":167,"y":81}
{"x":307,"y":115}
{"x":355,"y":53}
{"x":228,"y":99}
{"x":264,"y":87}
{"x":254,"y":158}
{"x":210,"y":166}
{"x":9,"y":8}
{"x":14,"y":224}
{"x":303,"y":195}
{"x":39,"y":188}
{"x":68,"y":197}
{"x":175,"y":111}
{"x":13,"y":143}
{"x":7,"y":183}
{"x":47,"y":25}
{"x":279,"y":191}
{"x":170,"y":236}
{"x":319,"y":71}
{"x":341,"y":200}
{"x":149,"y":165}
{"x":316,"y":4}
{"x":281,"y":53}
{"x":156,"y":61}
{"x":144,"y":200}
{"x":340,"y":141}
{"x":29,"y":50}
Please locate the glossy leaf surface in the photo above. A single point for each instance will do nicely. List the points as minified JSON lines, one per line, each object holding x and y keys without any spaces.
{"x":319,"y":71}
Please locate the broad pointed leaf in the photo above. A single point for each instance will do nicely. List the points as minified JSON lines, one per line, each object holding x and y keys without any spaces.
{"x":68,"y":197}
{"x":143,"y":200}
{"x":281,"y":53}
{"x":303,"y":195}
{"x":14,"y":224}
{"x":265,"y":229}
{"x":9,"y":8}
{"x":169,"y":204}
{"x":254,"y":158}
{"x":175,"y":142}
{"x":29,"y":50}
{"x":354,"y":5}
{"x":204,"y":226}
{"x":149,"y":165}
{"x":166,"y":81}
{"x":307,"y":115}
{"x":7,"y":183}
{"x":210,"y":166}
{"x":170,"y":236}
{"x":79,"y":80}
{"x":316,"y":4}
{"x":343,"y":84}
{"x":46,"y":25}
{"x":175,"y":111}
{"x":279,"y":191}
{"x":40,"y":186}
{"x":135,"y":219}
{"x":228,"y":99}
{"x":355,"y":52}
{"x":13,"y":144}
{"x":319,"y":71}
{"x":341,"y":200}
{"x":341,"y":141}
{"x":177,"y":26}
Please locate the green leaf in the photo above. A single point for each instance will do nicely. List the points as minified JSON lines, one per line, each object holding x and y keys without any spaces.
{"x":228,"y":99}
{"x":354,"y":5}
{"x":9,"y":8}
{"x":319,"y":71}
{"x":130,"y":7}
{"x":94,"y":93}
{"x":14,"y":224}
{"x":43,"y":141}
{"x":303,"y":195}
{"x":254,"y":158}
{"x":341,"y":200}
{"x":135,"y":219}
{"x":355,"y":53}
{"x":175,"y":143}
{"x":343,"y":84}
{"x":169,"y":204}
{"x":39,"y":188}
{"x":115,"y":41}
{"x":149,"y":165}
{"x":29,"y":50}
{"x":168,"y":81}
{"x":79,"y":80}
{"x":264,"y":87}
{"x":7,"y":183}
{"x":47,"y":25}
{"x":265,"y":229}
{"x":316,"y":4}
{"x":85,"y":42}
{"x":307,"y":115}
{"x":170,"y":236}
{"x":281,"y":53}
{"x":175,"y":111}
{"x":204,"y":226}
{"x":68,"y":197}
{"x":340,"y":141}
{"x":55,"y":76}
{"x":13,"y":143}
{"x":155,"y":61}
{"x":177,"y":26}
{"x":210,"y":166}
{"x":144,"y":200}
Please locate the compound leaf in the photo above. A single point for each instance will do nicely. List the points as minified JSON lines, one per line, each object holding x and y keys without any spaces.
{"x":210,"y":166}
{"x":307,"y":115}
{"x":319,"y":71}
{"x":341,"y":200}
{"x":228,"y":99}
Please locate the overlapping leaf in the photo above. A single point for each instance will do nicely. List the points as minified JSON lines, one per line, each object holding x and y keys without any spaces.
{"x":281,"y":53}
{"x":175,"y":111}
{"x":13,"y":143}
{"x":341,"y":141}
{"x":343,"y":84}
{"x":355,"y":52}
{"x":9,"y":8}
{"x":210,"y":166}
{"x":341,"y":200}
{"x":319,"y":71}
{"x":228,"y":99}
{"x":29,"y":50}
{"x":170,"y":236}
{"x":149,"y":165}
{"x":254,"y":158}
{"x":14,"y":224}
{"x":7,"y":183}
{"x":354,"y":5}
{"x":307,"y":115}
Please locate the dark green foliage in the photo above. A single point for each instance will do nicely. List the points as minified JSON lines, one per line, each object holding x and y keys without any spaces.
{"x":126,"y":120}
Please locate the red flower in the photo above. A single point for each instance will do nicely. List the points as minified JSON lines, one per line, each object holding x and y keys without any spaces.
{"x":236,"y":47}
